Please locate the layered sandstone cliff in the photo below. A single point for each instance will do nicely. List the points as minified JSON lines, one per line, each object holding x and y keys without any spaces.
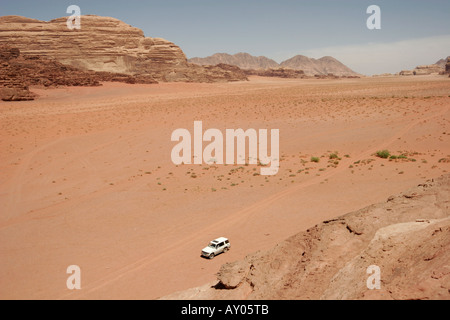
{"x":107,"y":45}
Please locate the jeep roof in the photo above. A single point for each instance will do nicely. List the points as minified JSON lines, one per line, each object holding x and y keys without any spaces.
{"x":218,"y":240}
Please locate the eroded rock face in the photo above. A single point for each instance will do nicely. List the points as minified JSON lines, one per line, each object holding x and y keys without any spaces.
{"x":106,"y":45}
{"x":447,"y":66}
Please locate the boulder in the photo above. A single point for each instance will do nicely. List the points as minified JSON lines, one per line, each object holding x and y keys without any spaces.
{"x":16,"y":94}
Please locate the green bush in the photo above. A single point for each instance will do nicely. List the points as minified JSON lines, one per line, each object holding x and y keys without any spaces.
{"x":384,"y":154}
{"x":334,"y":156}
{"x":315,"y":159}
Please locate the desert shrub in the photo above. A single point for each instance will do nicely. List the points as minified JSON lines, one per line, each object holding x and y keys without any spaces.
{"x":384,"y":154}
{"x":334,"y":156}
{"x":315,"y":159}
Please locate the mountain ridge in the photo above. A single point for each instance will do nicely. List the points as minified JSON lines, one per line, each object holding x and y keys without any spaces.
{"x":322,"y":66}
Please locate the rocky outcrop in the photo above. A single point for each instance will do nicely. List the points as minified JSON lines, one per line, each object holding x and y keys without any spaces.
{"x":106,"y":44}
{"x":278,"y":73}
{"x":16,"y":94}
{"x":12,"y":84}
{"x":447,"y":66}
{"x":437,"y":68}
{"x":427,"y":69}
{"x":407,"y":237}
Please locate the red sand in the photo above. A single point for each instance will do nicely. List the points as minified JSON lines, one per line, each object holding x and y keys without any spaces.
{"x":86,"y":176}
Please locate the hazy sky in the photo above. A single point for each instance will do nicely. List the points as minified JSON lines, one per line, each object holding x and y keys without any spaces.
{"x":413,"y":32}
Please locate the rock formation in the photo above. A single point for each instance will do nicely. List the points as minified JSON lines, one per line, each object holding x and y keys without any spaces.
{"x":447,"y":66}
{"x":12,"y":84}
{"x":106,"y":45}
{"x":278,"y":73}
{"x":427,"y":69}
{"x":437,"y":68}
{"x":407,"y":237}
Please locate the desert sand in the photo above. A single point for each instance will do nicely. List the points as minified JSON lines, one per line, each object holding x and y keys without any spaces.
{"x":86,"y":176}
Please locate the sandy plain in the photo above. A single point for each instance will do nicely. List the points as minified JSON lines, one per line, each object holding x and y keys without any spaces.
{"x":87,"y":179}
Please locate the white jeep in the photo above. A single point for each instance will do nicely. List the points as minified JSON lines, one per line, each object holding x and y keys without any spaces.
{"x":216,"y":247}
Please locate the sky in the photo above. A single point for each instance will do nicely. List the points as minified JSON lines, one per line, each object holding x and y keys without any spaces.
{"x":413,"y":32}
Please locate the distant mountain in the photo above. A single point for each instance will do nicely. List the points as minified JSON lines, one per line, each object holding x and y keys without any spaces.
{"x":241,"y":60}
{"x":322,"y":66}
{"x":310,"y":66}
{"x":441,"y":63}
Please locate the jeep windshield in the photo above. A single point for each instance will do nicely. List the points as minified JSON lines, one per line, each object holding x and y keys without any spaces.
{"x":211,"y":245}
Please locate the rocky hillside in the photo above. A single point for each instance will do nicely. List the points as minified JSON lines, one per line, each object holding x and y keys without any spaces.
{"x":310,"y":67}
{"x":106,"y":45}
{"x":407,"y":237}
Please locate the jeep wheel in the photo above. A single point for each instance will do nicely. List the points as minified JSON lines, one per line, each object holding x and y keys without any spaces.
{"x":211,"y":256}
{"x":225,"y":250}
